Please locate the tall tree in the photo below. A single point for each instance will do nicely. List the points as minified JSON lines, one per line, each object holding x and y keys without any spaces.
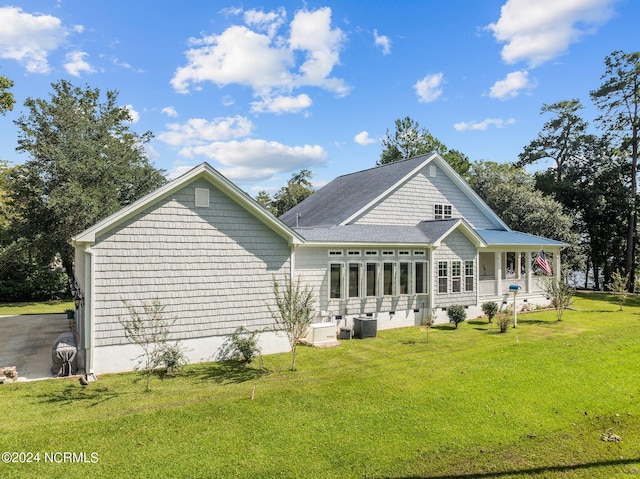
{"x":409,"y":140}
{"x":561,"y":137}
{"x":510,"y":192}
{"x":297,"y":189}
{"x":6,"y":97}
{"x":619,"y":100}
{"x":84,"y":164}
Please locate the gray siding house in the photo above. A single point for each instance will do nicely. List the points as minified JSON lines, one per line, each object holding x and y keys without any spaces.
{"x":396,"y":242}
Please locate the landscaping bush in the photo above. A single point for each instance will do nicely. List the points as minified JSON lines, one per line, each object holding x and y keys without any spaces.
{"x":490,"y":308}
{"x":503,"y":320}
{"x":241,"y":345}
{"x":174,"y":359}
{"x":457,"y":314}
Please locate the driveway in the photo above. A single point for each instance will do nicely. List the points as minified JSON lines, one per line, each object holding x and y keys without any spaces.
{"x":26,"y":342}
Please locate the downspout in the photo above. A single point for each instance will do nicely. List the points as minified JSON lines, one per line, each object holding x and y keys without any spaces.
{"x":292,"y":263}
{"x":88,"y":311}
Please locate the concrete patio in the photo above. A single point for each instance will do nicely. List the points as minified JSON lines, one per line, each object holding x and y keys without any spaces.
{"x":26,"y":342}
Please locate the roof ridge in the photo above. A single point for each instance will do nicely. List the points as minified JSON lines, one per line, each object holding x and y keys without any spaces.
{"x":393,"y":163}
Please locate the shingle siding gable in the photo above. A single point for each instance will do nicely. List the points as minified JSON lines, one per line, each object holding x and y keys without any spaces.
{"x":413,"y":202}
{"x":212,"y":268}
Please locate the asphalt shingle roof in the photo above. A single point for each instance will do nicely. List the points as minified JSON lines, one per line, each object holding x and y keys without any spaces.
{"x":342,"y":197}
{"x":426,"y":232}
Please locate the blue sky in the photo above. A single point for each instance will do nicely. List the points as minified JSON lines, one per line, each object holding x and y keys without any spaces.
{"x":262,"y":89}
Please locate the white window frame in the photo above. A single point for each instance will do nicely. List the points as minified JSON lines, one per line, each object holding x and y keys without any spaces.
{"x":468,"y":276}
{"x":393,"y":282}
{"x":443,"y":285}
{"x":376,"y":276}
{"x":409,"y":281}
{"x":456,"y":279}
{"x":340,"y":278}
{"x":358,"y":268}
{"x":425,"y":277}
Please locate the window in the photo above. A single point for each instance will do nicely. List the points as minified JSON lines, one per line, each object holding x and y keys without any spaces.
{"x":354,"y":280}
{"x":421,"y":278}
{"x":371,"y":279}
{"x":335,"y":281}
{"x":405,"y":277}
{"x":469,"y":276}
{"x":388,"y":279}
{"x":443,"y":277}
{"x":335,"y":252}
{"x":371,"y":252}
{"x":442,"y":212}
{"x":404,"y":252}
{"x":353,"y":253}
{"x":387,"y":253}
{"x":456,"y":282}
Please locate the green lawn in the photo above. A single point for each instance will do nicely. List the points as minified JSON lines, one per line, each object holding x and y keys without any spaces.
{"x":49,"y":307}
{"x":535,"y":402}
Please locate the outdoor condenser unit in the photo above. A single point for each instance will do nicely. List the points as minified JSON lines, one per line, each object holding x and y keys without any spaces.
{"x":365,"y":327}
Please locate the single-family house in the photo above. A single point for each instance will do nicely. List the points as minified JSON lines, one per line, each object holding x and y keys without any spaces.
{"x":395,"y":243}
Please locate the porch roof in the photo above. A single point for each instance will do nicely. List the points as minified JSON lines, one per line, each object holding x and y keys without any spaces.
{"x":516,"y":238}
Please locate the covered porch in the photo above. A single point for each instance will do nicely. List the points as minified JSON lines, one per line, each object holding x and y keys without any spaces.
{"x":501,"y":268}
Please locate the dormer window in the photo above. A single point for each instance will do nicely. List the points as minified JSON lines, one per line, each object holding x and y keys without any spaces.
{"x":442,"y":212}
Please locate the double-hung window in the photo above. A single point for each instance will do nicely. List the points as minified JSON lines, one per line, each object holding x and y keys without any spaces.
{"x":456,"y":281}
{"x":442,"y":212}
{"x":469,"y":276}
{"x":443,"y":277}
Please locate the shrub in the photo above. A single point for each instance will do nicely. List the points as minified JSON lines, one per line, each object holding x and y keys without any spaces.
{"x":490,"y":308}
{"x":173,"y":358}
{"x":457,"y":314}
{"x":503,"y":320}
{"x":241,"y":345}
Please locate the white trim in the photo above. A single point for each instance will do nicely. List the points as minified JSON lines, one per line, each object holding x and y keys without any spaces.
{"x":386,"y":192}
{"x":204,"y":170}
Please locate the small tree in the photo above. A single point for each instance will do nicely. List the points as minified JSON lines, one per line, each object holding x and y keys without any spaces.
{"x":618,"y":287}
{"x":560,"y":294}
{"x":490,"y":308}
{"x":150,"y":330}
{"x":456,"y":314}
{"x":293,"y":313}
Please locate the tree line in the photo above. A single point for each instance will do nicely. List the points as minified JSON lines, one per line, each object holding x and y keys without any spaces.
{"x":84,"y":163}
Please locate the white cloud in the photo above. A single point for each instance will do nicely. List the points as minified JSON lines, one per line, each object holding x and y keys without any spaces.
{"x":255,"y":159}
{"x":170,"y":111}
{"x":198,"y":131}
{"x":538,"y":31}
{"x":429,"y":88}
{"x":29,"y":38}
{"x":75,"y":63}
{"x":512,"y":85}
{"x":78,"y":28}
{"x":135,"y":116}
{"x":484,"y":124}
{"x":282,"y":104}
{"x":363,"y":138}
{"x":268,"y":22}
{"x":383,"y":42}
{"x":267,"y":63}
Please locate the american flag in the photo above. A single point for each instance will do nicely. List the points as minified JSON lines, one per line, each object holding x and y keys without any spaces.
{"x":541,"y":261}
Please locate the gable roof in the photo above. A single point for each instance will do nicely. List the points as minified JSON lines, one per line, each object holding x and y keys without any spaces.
{"x":207,"y":172}
{"x":348,"y":196}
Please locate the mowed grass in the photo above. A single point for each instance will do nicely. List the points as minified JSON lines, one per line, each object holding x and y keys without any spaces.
{"x":48,"y":307}
{"x":534,"y":402}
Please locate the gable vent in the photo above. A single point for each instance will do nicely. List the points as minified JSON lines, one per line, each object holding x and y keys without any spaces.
{"x":202,"y":197}
{"x":432,"y":171}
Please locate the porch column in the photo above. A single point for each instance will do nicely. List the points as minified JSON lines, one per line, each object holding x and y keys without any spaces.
{"x":556,"y":265}
{"x":498,"y":270}
{"x":527,"y":268}
{"x":518,"y":264}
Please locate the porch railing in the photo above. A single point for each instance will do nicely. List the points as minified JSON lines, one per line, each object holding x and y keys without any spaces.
{"x":489,"y":287}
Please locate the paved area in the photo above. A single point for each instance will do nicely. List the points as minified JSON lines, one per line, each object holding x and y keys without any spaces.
{"x":26,"y":342}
